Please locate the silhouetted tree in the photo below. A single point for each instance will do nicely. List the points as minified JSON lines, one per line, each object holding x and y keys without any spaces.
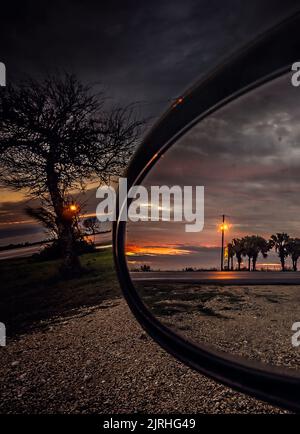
{"x":230,"y":253}
{"x":145,"y":268}
{"x":92,"y":226}
{"x":259,"y":246}
{"x":248,"y":249}
{"x":55,"y":136}
{"x":293,"y":249}
{"x":253,"y":246}
{"x":239,"y":250}
{"x":280,"y":242}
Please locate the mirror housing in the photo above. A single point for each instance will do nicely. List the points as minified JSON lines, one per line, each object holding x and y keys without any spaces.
{"x":267,"y":58}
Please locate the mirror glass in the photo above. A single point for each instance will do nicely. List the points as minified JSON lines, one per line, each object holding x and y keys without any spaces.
{"x":231,"y":283}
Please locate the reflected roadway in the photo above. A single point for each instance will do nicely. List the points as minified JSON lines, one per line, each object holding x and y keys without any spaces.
{"x":220,"y":277}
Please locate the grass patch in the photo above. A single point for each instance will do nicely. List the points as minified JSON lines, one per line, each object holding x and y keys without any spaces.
{"x":34,"y":291}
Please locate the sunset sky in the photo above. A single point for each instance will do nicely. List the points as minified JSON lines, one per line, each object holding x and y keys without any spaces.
{"x":149,"y":53}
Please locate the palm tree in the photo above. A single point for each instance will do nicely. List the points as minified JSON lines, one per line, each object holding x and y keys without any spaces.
{"x":293,"y":249}
{"x":253,"y":246}
{"x":280,"y":242}
{"x":259,"y":246}
{"x":239,"y":250}
{"x":230,"y":253}
{"x":248,"y":249}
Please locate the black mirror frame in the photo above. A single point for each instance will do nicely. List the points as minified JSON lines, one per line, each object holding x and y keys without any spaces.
{"x":268,"y":57}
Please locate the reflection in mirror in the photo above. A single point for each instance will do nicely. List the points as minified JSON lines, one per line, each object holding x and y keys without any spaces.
{"x":234,"y":284}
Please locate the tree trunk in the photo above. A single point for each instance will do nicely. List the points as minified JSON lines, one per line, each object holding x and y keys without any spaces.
{"x":71,"y":263}
{"x":282,"y":263}
{"x":254,"y":259}
{"x":249,"y":263}
{"x":239,"y":259}
{"x":295,"y":264}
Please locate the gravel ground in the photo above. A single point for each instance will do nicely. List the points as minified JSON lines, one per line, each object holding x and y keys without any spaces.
{"x":254,"y":322}
{"x":100,"y":361}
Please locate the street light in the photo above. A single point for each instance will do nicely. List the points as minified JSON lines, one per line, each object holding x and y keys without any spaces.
{"x":224,"y":227}
{"x":70,"y":211}
{"x":73,"y":208}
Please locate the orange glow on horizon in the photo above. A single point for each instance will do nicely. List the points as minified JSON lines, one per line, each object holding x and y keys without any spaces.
{"x":132,"y":250}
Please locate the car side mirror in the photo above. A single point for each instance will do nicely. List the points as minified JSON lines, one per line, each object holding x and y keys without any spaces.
{"x":202,"y":270}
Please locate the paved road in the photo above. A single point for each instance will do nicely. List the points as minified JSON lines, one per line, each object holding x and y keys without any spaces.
{"x":102,"y":241}
{"x":20,"y":252}
{"x":220,"y":277}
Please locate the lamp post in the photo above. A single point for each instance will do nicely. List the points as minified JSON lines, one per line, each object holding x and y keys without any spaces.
{"x":223,"y":228}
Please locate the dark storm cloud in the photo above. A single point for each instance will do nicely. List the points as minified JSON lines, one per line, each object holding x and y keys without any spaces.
{"x":138,"y":50}
{"x":250,"y":146}
{"x":258,"y":135}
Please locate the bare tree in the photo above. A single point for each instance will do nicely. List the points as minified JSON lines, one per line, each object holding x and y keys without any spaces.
{"x":56,"y":136}
{"x":92,"y":226}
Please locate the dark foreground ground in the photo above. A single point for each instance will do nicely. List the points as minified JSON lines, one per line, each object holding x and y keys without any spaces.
{"x":251,"y":321}
{"x":81,"y":351}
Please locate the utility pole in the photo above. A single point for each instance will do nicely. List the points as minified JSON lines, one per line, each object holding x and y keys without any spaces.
{"x":222,"y":248}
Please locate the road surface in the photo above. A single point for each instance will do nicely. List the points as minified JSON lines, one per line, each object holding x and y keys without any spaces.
{"x":220,"y":277}
{"x":102,"y":241}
